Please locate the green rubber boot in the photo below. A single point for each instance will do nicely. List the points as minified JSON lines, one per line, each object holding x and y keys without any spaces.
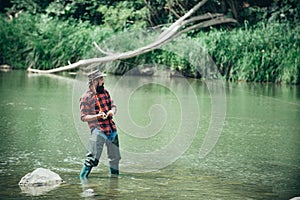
{"x":114,"y":172}
{"x":85,"y":171}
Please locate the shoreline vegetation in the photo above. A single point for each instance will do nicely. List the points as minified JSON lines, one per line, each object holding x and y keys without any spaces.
{"x":267,"y":51}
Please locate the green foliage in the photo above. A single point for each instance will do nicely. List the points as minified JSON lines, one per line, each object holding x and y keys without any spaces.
{"x":118,"y":15}
{"x":124,"y":15}
{"x":13,"y":40}
{"x":286,"y":10}
{"x":85,"y":10}
{"x":44,"y":42}
{"x":57,"y":43}
{"x":30,"y":6}
{"x":141,"y":13}
{"x":264,"y":53}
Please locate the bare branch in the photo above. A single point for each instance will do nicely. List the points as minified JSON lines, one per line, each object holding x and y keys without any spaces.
{"x":180,"y":6}
{"x":172,"y":10}
{"x":219,"y":20}
{"x":180,"y":20}
{"x":105,"y":59}
{"x":99,"y":49}
{"x":202,"y":17}
{"x":152,"y":10}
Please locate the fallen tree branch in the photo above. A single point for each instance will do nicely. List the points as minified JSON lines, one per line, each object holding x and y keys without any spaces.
{"x":166,"y":36}
{"x":202,"y":17}
{"x":215,"y":21}
{"x":180,"y":20}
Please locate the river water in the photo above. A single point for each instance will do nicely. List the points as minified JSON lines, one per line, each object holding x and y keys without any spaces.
{"x":162,"y":125}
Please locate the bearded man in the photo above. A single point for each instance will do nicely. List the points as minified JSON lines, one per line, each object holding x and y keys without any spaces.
{"x":97,"y":109}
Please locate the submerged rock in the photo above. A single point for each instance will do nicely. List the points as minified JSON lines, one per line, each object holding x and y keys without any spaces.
{"x":39,"y":181}
{"x":88,"y":193}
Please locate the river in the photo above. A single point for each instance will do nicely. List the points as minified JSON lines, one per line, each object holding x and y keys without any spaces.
{"x":252,"y":131}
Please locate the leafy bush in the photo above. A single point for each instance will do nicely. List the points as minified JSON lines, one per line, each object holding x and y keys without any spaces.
{"x":13,"y":40}
{"x":267,"y":52}
{"x":58,"y":42}
{"x":46,"y":43}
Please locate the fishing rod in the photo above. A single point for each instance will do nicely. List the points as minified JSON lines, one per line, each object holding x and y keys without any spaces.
{"x":102,"y":113}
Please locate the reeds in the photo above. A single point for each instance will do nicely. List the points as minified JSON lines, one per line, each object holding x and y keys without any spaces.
{"x":262,"y":53}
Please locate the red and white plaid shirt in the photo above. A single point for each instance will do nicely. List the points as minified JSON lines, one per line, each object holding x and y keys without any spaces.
{"x":89,"y":106}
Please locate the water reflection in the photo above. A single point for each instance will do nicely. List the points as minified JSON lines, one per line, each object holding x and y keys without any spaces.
{"x":37,"y":190}
{"x":92,"y":188}
{"x":113,"y":190}
{"x":256,"y":157}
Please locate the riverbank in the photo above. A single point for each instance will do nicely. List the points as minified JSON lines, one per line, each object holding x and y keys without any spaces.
{"x":265,"y":52}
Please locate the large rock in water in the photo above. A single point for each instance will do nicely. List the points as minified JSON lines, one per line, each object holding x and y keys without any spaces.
{"x":39,"y":181}
{"x":40,"y":177}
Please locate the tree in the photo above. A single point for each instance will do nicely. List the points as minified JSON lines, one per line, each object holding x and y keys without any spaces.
{"x":184,"y":24}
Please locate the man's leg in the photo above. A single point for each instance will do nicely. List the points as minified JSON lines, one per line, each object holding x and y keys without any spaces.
{"x":95,"y":147}
{"x":113,"y":153}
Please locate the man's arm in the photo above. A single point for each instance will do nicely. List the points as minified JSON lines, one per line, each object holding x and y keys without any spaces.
{"x":85,"y":113}
{"x":88,"y":118}
{"x":113,"y":109}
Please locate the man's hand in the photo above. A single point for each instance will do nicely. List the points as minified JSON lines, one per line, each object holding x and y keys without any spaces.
{"x":102,"y":115}
{"x":110,"y":113}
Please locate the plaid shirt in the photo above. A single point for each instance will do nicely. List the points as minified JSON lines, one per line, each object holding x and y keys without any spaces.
{"x":89,"y":106}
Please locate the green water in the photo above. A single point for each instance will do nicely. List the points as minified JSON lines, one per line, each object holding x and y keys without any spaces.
{"x":255,"y":157}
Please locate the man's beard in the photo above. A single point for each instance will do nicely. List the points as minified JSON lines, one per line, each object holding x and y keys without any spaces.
{"x":100,"y":89}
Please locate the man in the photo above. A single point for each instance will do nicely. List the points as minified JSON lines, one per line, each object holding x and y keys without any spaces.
{"x":97,"y":108}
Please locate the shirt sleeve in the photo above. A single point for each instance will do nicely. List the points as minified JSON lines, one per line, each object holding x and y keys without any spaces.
{"x":113,"y":107}
{"x":85,"y":107}
{"x":83,"y":110}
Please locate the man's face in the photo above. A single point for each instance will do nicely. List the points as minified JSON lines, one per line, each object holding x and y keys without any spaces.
{"x":99,"y":81}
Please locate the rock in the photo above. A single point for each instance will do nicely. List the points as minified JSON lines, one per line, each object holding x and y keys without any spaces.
{"x":40,"y":177}
{"x":39,"y":182}
{"x":5,"y":68}
{"x":88,"y":193}
{"x":147,"y":71}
